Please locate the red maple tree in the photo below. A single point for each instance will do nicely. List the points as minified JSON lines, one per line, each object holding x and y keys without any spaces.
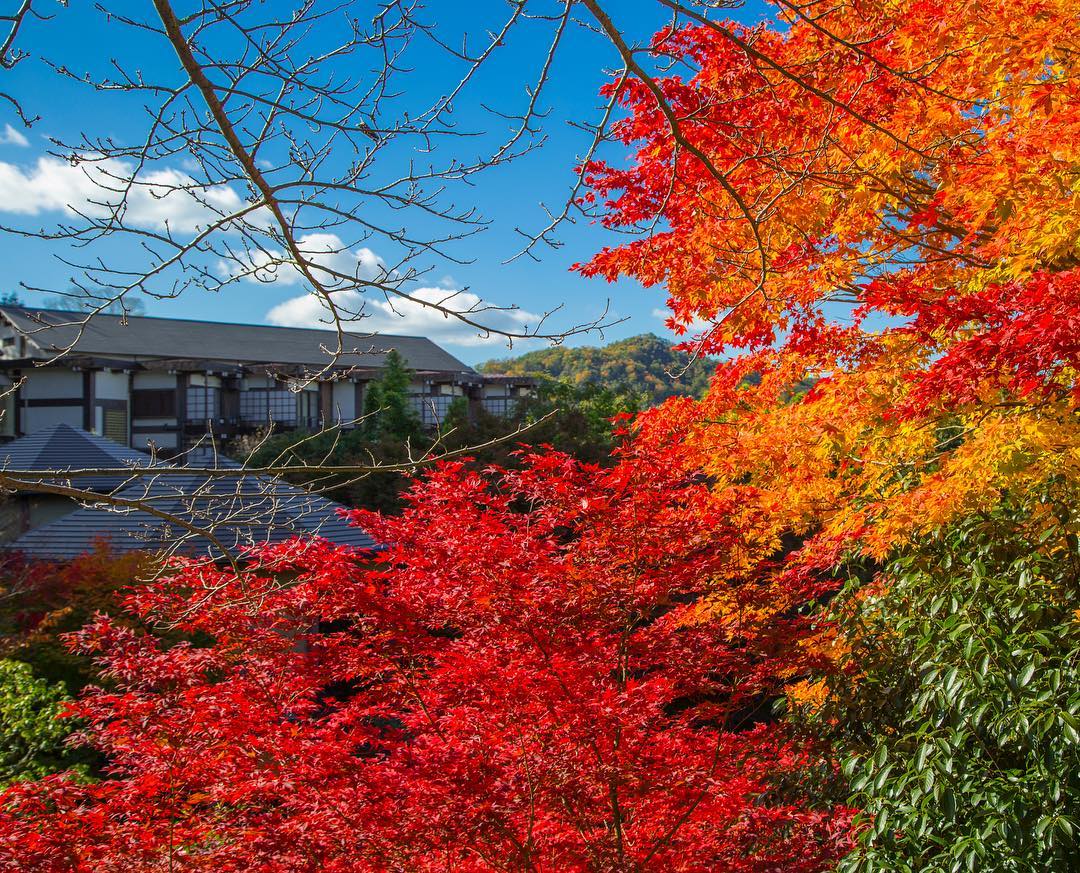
{"x":521,"y":681}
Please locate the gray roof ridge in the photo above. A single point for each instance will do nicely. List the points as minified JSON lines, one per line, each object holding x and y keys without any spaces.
{"x":296,"y":521}
{"x":328,"y":328}
{"x":42,"y":441}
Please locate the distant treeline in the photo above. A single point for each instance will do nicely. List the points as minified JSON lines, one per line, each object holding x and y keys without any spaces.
{"x":644,"y":365}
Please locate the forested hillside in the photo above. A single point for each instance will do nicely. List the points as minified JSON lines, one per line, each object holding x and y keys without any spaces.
{"x":644,"y":364}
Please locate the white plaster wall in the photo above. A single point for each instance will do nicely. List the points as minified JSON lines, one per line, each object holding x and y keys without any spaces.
{"x":163,"y":440}
{"x":35,"y":418}
{"x":344,"y":402}
{"x":155,"y":380}
{"x":154,"y":422}
{"x":110,"y":386}
{"x":51,"y":383}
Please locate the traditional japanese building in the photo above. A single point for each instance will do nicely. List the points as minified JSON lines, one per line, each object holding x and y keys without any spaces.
{"x":170,"y":381}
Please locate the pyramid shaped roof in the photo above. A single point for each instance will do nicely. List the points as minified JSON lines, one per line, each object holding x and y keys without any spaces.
{"x":61,"y":447}
{"x":241,"y":509}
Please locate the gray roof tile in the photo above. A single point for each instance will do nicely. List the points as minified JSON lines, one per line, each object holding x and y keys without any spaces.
{"x":240,"y":510}
{"x":142,"y":337}
{"x":238,"y":521}
{"x":62,"y":447}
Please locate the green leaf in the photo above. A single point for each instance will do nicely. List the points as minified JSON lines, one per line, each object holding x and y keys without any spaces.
{"x":881,"y":756}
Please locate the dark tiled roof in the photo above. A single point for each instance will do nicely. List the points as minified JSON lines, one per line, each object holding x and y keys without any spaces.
{"x":141,"y":337}
{"x":237,"y":516}
{"x":63,"y":447}
{"x":241,"y":509}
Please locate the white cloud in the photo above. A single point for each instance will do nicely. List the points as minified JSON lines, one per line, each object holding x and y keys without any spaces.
{"x":10,"y":136}
{"x":378,"y":312}
{"x":410,"y":317}
{"x":154,"y":201}
{"x":321,"y":249}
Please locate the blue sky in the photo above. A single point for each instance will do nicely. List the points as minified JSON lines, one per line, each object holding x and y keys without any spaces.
{"x":32,"y":194}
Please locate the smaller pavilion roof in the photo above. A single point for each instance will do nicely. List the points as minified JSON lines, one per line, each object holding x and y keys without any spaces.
{"x":239,"y":509}
{"x":62,"y":447}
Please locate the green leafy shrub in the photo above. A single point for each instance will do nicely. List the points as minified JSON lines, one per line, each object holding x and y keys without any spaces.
{"x":961,"y":706}
{"x":32,"y":735}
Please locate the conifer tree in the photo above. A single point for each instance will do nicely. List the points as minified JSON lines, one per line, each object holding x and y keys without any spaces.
{"x":387,"y":407}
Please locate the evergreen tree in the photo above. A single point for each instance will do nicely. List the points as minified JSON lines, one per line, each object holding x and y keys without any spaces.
{"x":387,"y":408}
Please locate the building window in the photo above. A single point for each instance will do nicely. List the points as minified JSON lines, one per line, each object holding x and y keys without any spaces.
{"x":503,"y":407}
{"x":115,"y":425}
{"x":203,"y":403}
{"x":432,"y":408}
{"x":309,"y":409}
{"x":155,"y":402}
{"x":263,"y":405}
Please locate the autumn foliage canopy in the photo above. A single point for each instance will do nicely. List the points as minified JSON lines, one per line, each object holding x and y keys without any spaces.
{"x":564,"y":667}
{"x":883,"y":197}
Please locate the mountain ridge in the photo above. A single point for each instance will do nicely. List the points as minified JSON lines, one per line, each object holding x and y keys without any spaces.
{"x":643,"y":364}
